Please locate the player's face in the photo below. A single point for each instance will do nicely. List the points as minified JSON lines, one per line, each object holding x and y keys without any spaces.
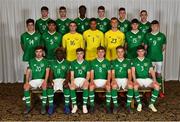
{"x":101,"y":53}
{"x":134,"y":26}
{"x":122,"y":14}
{"x":93,"y":25}
{"x":51,"y":27}
{"x":101,"y":13}
{"x":155,"y":27}
{"x":82,"y":11}
{"x":143,"y":16}
{"x":39,"y":53}
{"x":80,"y":55}
{"x":30,"y":27}
{"x":59,"y":55}
{"x":141,"y":53}
{"x":62,"y":13}
{"x":72,"y":27}
{"x":120,"y":53}
{"x":114,"y":23}
{"x":44,"y":13}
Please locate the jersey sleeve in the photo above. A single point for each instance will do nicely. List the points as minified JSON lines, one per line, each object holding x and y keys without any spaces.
{"x":64,"y":41}
{"x":22,"y":40}
{"x":102,"y":39}
{"x":123,"y":39}
{"x":108,"y":65}
{"x":82,"y":42}
{"x":146,"y":39}
{"x":106,"y":40}
{"x":71,"y":68}
{"x":164,"y":39}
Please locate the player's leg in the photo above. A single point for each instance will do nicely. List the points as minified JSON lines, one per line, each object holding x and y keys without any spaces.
{"x":50,"y":94}
{"x":129,"y":95}
{"x":66,"y":91}
{"x":85,"y":95}
{"x":73,"y":97}
{"x":136,"y":94}
{"x":114,"y":95}
{"x":108,"y":97}
{"x":44,"y":97}
{"x":91,"y":96}
{"x":27,"y":98}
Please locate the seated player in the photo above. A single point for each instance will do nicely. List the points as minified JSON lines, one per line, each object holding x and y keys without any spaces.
{"x":59,"y":78}
{"x":41,"y":24}
{"x":155,"y":43}
{"x":134,"y":38}
{"x":100,"y":78}
{"x":51,"y":40}
{"x":93,"y":39}
{"x":72,"y":41}
{"x":103,"y":23}
{"x":113,"y":38}
{"x":39,"y":70}
{"x":121,"y":78}
{"x":80,"y":74}
{"x":82,"y":21}
{"x":144,"y":76}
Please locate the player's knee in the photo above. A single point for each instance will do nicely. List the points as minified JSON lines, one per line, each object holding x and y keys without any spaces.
{"x":91,"y":87}
{"x":136,"y":86}
{"x":156,"y":85}
{"x":85,"y":85}
{"x":26,"y":87}
{"x":114,"y":85}
{"x":108,"y":87}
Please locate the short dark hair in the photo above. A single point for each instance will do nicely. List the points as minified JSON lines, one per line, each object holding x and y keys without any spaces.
{"x":82,"y":6}
{"x":101,"y":8}
{"x":51,"y":22}
{"x":62,"y":8}
{"x":29,"y":21}
{"x":134,"y":21}
{"x":39,"y":47}
{"x":120,"y":47}
{"x":140,"y":47}
{"x":93,"y":19}
{"x":143,"y":11}
{"x":114,"y":18}
{"x":44,"y":8}
{"x":73,"y":22}
{"x":79,"y":50}
{"x":101,"y":48}
{"x":122,"y":9}
{"x":154,"y":22}
{"x":61,"y":49}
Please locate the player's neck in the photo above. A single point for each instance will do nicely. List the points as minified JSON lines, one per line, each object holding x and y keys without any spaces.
{"x":72,"y":32}
{"x":155,"y":32}
{"x":44,"y":18}
{"x":51,"y":32}
{"x":93,"y":29}
{"x":63,"y":18}
{"x":135,"y":31}
{"x":60,"y":61}
{"x":141,"y":58}
{"x":120,"y":59}
{"x":114,"y":29}
{"x":39,"y":59}
{"x":31,"y":32}
{"x":80,"y":61}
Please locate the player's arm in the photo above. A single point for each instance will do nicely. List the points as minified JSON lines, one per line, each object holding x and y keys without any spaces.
{"x":82,"y":42}
{"x":66,"y":82}
{"x":72,"y":77}
{"x":47,"y":74}
{"x":152,"y":73}
{"x":63,"y":42}
{"x":22,"y":43}
{"x":36,"y":26}
{"x":51,"y":75}
{"x":123,"y":40}
{"x":134,"y":74}
{"x":129,"y":75}
{"x":109,"y":77}
{"x":106,"y":41}
{"x":91,"y":76}
{"x":113,"y":75}
{"x":164,"y":47}
{"x":28,"y":72}
{"x":102,"y":40}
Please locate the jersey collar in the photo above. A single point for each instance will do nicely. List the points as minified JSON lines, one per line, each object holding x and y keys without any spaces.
{"x":144,"y":22}
{"x":102,"y":18}
{"x":122,"y":20}
{"x":141,"y":59}
{"x":120,"y":60}
{"x":80,"y":62}
{"x":135,"y":32}
{"x":44,"y":19}
{"x":100,"y":60}
{"x":60,"y":61}
{"x":52,"y":33}
{"x":155,"y":33}
{"x":39,"y":59}
{"x":63,"y":19}
{"x":30,"y":33}
{"x":82,"y":19}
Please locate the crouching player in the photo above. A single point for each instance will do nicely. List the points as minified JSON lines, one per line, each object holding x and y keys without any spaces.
{"x":121,"y":77}
{"x":144,"y":75}
{"x":59,"y":78}
{"x":80,"y":74}
{"x":39,"y":69}
{"x":100,"y":78}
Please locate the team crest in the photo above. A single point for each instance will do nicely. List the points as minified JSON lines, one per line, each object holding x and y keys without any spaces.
{"x":27,"y":38}
{"x":42,"y":65}
{"x":105,"y":23}
{"x":97,"y":36}
{"x":130,"y":36}
{"x":150,"y":39}
{"x":47,"y":37}
{"x":145,"y":64}
{"x":139,"y":36}
{"x":35,"y":38}
{"x":117,"y":65}
{"x":104,"y":65}
{"x":138,"y":64}
{"x":86,"y":23}
{"x":124,"y":65}
{"x":158,"y":38}
{"x":83,"y":67}
{"x":76,"y":67}
{"x":67,"y":24}
{"x":55,"y":37}
{"x":63,"y":67}
{"x":125,"y":25}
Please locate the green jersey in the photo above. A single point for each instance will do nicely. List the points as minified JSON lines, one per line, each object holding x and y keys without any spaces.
{"x":124,"y":26}
{"x":51,"y":42}
{"x":100,"y":68}
{"x":121,"y":68}
{"x":63,"y":25}
{"x":155,"y":45}
{"x":82,"y":24}
{"x":145,"y":27}
{"x":41,"y":25}
{"x":133,"y":40}
{"x":80,"y":69}
{"x":38,"y":68}
{"x":60,"y":69}
{"x":29,"y":43}
{"x":142,"y":67}
{"x":103,"y":24}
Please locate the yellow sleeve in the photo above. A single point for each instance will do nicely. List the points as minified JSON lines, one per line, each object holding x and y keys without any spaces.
{"x":64,"y":42}
{"x":123,"y":39}
{"x":85,"y":38}
{"x":82,"y":41}
{"x":106,"y":40}
{"x":102,"y":39}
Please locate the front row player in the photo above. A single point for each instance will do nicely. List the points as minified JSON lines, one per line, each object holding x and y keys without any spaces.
{"x":39,"y":69}
{"x":144,"y":75}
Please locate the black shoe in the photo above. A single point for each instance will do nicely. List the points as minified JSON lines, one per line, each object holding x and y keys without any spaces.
{"x":108,"y":110}
{"x":43,"y":110}
{"x":115,"y":110}
{"x":27,"y":110}
{"x":92,"y":110}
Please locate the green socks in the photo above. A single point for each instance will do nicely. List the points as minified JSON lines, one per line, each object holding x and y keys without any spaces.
{"x":154,"y":96}
{"x":108,"y":98}
{"x":85,"y":96}
{"x":44,"y":97}
{"x":50,"y":93}
{"x":137,"y":96}
{"x":91,"y":97}
{"x":73,"y":97}
{"x":27,"y":98}
{"x":66,"y":96}
{"x":129,"y":97}
{"x":114,"y":97}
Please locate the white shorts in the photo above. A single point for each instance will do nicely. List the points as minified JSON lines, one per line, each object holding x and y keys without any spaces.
{"x":58,"y":84}
{"x":122,"y":82}
{"x":146,"y":82}
{"x":36,"y":83}
{"x":100,"y":83}
{"x":79,"y":82}
{"x":158,"y":66}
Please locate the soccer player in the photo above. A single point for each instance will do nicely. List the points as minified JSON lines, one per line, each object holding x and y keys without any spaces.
{"x":144,"y":25}
{"x":80,"y":74}
{"x":121,"y":78}
{"x":93,"y":39}
{"x":82,"y":21}
{"x":100,"y":78}
{"x":134,"y":38}
{"x":72,"y":41}
{"x":51,"y":40}
{"x":113,"y":38}
{"x":41,"y":24}
{"x":59,"y":77}
{"x":144,"y":75}
{"x":63,"y":21}
{"x":39,"y":70}
{"x":103,"y":23}
{"x":155,"y":43}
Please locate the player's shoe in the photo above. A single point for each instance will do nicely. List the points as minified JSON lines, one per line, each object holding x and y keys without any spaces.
{"x":108,"y":109}
{"x":85,"y":111}
{"x":115,"y":110}
{"x":74,"y":109}
{"x":151,"y":106}
{"x":161,"y":95}
{"x":139,"y":107}
{"x":51,"y":110}
{"x":128,"y":108}
{"x":92,"y":110}
{"x":43,"y":110}
{"x":27,"y":109}
{"x":67,"y":110}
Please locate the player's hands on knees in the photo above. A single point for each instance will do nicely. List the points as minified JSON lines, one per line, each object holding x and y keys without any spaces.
{"x":108,"y":85}
{"x":26,"y":86}
{"x":44,"y":84}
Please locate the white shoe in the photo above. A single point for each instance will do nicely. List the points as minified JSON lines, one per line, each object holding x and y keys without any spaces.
{"x":139,"y":107}
{"x":151,"y":106}
{"x":85,"y":111}
{"x":74,"y":110}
